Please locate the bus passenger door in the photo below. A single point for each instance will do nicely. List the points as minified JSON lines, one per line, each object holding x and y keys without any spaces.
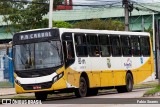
{"x":68,"y":53}
{"x":69,"y":57}
{"x":68,"y":49}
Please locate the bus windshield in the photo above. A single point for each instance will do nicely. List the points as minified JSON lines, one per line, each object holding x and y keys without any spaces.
{"x":37,"y":55}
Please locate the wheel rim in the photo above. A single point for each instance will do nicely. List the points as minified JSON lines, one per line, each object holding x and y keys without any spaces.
{"x":83,"y":88}
{"x":129,"y":84}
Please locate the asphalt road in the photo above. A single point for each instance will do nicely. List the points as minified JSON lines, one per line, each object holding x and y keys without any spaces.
{"x":101,"y":98}
{"x":104,"y":99}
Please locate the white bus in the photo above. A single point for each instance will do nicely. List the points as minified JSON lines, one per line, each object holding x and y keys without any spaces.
{"x":80,"y":60}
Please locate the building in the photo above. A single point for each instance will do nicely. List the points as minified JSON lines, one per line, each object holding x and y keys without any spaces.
{"x":66,"y":5}
{"x":139,"y":19}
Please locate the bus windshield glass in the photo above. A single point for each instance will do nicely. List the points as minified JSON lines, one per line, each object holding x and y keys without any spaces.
{"x":37,"y":55}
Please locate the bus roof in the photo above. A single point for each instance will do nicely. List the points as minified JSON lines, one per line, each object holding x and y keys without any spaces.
{"x":77,"y":30}
{"x":103,"y":31}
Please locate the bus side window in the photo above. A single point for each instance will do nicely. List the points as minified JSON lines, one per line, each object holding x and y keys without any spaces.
{"x":104,"y":45}
{"x":93,"y":46}
{"x":145,"y":46}
{"x":70,"y":50}
{"x":65,"y":49}
{"x":81,"y":45}
{"x":126,"y":46}
{"x":136,"y":50}
{"x":115,"y":43}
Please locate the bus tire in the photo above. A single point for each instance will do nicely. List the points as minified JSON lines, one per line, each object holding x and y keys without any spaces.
{"x":129,"y":84}
{"x":92,"y":91}
{"x":82,"y":90}
{"x":41,"y":96}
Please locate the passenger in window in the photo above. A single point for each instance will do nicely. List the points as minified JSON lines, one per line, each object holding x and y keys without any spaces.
{"x":70,"y":51}
{"x":96,"y":52}
{"x":104,"y":50}
{"x":69,"y":55}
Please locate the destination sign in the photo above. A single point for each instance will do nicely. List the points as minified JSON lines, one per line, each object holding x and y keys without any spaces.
{"x":35,"y":35}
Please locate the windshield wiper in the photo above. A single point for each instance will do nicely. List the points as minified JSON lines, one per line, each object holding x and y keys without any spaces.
{"x":56,"y":48}
{"x":21,"y":60}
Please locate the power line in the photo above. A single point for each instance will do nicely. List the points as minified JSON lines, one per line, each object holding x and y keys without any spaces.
{"x":25,"y":1}
{"x":142,"y":7}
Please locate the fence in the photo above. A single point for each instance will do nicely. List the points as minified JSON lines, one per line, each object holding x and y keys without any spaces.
{"x":6,"y":69}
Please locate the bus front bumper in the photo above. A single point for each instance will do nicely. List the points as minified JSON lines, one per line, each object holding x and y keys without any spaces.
{"x":29,"y":88}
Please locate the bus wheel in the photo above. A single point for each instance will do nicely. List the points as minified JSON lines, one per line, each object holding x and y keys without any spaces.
{"x":129,"y":84}
{"x":41,"y":96}
{"x":82,"y":90}
{"x":92,"y":91}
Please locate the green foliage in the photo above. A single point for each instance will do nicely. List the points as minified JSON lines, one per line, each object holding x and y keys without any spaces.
{"x":150,"y":30}
{"x":61,"y":24}
{"x":150,"y":84}
{"x":10,"y":7}
{"x":58,"y":24}
{"x":42,"y":24}
{"x":100,"y":24}
{"x":152,"y":91}
{"x":5,"y":84}
{"x":24,"y":15}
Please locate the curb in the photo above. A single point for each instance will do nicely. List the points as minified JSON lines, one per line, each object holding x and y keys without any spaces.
{"x":152,"y":95}
{"x":7,"y":94}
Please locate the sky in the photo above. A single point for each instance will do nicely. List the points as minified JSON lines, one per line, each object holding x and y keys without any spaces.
{"x":103,"y":2}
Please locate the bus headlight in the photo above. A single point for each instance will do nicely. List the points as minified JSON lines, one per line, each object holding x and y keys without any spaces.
{"x":17,"y":81}
{"x":57,"y":77}
{"x":61,"y":75}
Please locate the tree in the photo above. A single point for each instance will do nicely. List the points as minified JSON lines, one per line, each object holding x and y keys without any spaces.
{"x":24,"y":15}
{"x":58,"y":24}
{"x":150,"y":30}
{"x":100,"y":24}
{"x":61,"y":24}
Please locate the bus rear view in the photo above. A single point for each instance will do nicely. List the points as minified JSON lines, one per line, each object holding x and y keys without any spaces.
{"x":37,"y":58}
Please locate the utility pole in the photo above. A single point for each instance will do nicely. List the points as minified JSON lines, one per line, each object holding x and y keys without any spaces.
{"x":50,"y":12}
{"x":126,"y":11}
{"x":158,"y":49}
{"x":155,"y":51}
{"x":142,"y":24}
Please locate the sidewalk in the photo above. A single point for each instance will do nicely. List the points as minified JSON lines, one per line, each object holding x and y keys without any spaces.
{"x":7,"y":91}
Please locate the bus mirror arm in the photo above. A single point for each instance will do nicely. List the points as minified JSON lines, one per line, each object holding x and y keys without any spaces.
{"x":8,"y":57}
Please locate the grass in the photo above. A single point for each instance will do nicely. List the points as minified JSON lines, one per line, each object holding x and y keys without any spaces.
{"x":5,"y":84}
{"x":152,"y":91}
{"x":146,"y":85}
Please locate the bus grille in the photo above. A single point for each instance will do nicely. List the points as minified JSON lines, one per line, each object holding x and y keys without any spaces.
{"x":44,"y":85}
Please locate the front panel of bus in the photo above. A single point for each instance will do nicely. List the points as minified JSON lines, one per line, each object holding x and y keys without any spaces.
{"x":38,"y":61}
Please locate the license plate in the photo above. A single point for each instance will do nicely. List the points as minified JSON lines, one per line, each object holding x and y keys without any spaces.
{"x":36,"y":87}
